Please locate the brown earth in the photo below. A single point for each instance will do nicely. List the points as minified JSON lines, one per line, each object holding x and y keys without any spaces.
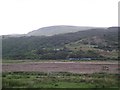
{"x":74,"y":67}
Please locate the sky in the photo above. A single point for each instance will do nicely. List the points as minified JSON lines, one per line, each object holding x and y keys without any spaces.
{"x":23,"y":16}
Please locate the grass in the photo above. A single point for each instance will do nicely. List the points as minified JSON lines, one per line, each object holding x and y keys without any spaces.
{"x":58,"y":80}
{"x":26,"y":61}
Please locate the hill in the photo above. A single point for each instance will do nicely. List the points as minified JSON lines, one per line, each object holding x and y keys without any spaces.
{"x":91,"y":43}
{"x":54,"y":30}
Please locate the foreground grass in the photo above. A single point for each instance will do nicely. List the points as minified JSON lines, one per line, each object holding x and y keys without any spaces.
{"x":58,"y":80}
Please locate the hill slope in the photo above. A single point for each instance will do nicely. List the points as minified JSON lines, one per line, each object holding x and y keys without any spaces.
{"x":55,"y":47}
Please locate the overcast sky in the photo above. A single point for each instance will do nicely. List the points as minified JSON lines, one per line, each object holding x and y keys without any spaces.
{"x":22,"y":16}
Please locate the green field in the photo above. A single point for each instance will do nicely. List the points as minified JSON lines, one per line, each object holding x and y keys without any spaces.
{"x":58,"y":80}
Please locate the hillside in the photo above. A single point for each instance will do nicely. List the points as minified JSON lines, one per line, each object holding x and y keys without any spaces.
{"x":91,"y":43}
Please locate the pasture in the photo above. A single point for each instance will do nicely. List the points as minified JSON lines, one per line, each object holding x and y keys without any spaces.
{"x":60,"y":74}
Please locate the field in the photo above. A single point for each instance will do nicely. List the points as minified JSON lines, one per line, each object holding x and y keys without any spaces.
{"x":59,"y":80}
{"x":60,"y":74}
{"x":53,"y":66}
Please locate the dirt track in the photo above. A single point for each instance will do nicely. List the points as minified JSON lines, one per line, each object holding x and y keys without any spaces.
{"x":75,"y":67}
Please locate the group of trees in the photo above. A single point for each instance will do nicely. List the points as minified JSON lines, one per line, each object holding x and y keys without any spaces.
{"x":53,"y":54}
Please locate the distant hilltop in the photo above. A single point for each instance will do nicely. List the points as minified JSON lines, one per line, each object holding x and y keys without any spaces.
{"x":54,"y":30}
{"x":59,"y":29}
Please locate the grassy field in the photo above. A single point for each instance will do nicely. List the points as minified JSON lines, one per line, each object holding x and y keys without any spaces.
{"x":56,"y":79}
{"x":59,"y":80}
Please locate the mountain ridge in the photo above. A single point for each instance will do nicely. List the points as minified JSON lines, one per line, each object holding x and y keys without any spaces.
{"x":58,"y":29}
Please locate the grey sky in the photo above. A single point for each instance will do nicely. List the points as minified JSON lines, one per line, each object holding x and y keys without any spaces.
{"x":22,"y":16}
